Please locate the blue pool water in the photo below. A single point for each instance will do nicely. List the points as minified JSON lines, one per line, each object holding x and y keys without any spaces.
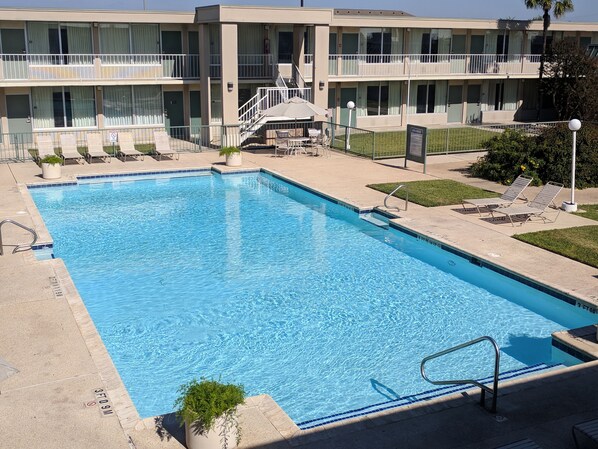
{"x":251,"y":280}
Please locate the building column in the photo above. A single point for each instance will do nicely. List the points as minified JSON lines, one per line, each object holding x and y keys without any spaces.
{"x":464,"y":101}
{"x":229,"y":73}
{"x":299,"y":53}
{"x":99,"y":95}
{"x":204,"y":74}
{"x":3,"y":118}
{"x":320,"y":66}
{"x":186,"y":106}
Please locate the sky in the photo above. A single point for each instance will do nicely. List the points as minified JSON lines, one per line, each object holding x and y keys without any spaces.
{"x":585,"y":10}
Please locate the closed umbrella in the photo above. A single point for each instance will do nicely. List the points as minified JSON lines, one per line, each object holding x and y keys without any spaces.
{"x":295,"y":108}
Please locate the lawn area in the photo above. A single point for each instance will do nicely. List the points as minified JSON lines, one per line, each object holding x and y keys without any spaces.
{"x":590,"y":211}
{"x":392,"y":143}
{"x":579,"y":244}
{"x":441,"y":192}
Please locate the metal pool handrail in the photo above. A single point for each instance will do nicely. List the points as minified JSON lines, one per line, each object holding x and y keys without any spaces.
{"x":484,"y":388}
{"x":18,"y":247}
{"x":393,"y":192}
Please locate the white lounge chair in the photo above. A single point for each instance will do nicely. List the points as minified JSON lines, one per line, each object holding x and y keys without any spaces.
{"x":162,"y":141}
{"x":126,"y":146}
{"x":514,"y":192}
{"x":68,"y":148}
{"x":95,"y":148}
{"x":45,"y":146}
{"x":535,"y":208}
{"x":282,"y":142}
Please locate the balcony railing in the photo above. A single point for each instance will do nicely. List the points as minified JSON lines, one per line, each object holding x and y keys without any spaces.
{"x":256,"y":66}
{"x":87,"y":67}
{"x":405,"y":65}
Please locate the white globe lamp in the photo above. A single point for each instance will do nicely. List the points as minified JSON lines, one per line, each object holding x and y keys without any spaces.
{"x":570,"y":206}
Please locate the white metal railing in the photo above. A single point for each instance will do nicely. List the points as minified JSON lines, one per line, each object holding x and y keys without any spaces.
{"x":215,"y":66}
{"x":98,"y":67}
{"x":255,"y":66}
{"x":423,"y":64}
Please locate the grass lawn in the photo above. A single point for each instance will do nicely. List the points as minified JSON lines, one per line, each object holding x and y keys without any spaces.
{"x":392,"y":143}
{"x":579,"y":244}
{"x":442,"y":192}
{"x":591,"y":211}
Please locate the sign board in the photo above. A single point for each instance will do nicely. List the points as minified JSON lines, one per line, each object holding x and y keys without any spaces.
{"x":416,"y":144}
{"x":113,"y":137}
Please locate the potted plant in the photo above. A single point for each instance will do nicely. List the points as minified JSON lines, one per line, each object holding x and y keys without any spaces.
{"x":233,"y":156}
{"x":208,"y":409}
{"x":51,"y":167}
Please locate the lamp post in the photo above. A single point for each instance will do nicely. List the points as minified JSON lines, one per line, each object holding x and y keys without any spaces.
{"x":350,"y":106}
{"x":570,"y":206}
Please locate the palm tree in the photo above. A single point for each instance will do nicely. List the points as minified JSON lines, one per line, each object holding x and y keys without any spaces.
{"x":559,"y":8}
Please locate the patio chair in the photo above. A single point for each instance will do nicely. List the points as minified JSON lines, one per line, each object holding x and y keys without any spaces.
{"x":68,"y":148}
{"x":45,"y":146}
{"x":323,"y":145}
{"x":514,"y":192}
{"x":162,"y":141}
{"x":535,"y":208}
{"x":589,"y":429}
{"x":314,"y":137}
{"x":95,"y":148}
{"x":126,"y":146}
{"x":282,"y":142}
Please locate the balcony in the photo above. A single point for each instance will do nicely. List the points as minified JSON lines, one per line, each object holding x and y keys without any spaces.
{"x":418,"y":65}
{"x":96,"y":68}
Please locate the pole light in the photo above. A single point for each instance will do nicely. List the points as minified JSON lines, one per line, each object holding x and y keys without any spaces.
{"x":570,"y":206}
{"x":350,"y":106}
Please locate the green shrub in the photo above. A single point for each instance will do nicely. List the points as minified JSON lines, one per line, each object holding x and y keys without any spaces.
{"x":510,"y":154}
{"x":226,"y":151}
{"x":554,"y":147}
{"x":51,"y":159}
{"x":206,"y":400}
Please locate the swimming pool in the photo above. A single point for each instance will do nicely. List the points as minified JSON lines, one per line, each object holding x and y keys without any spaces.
{"x":252,"y":280}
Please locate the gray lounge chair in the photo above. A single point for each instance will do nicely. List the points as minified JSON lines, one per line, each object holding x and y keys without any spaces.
{"x":162,"y":141}
{"x":95,"y":148}
{"x":45,"y":146}
{"x":535,"y":208}
{"x":587,"y":428}
{"x":521,"y":444}
{"x":514,"y":191}
{"x":126,"y":146}
{"x":68,"y":148}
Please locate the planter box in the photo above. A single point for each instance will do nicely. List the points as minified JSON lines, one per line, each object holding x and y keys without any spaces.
{"x":217,"y":438}
{"x":234,"y":160}
{"x":51,"y":171}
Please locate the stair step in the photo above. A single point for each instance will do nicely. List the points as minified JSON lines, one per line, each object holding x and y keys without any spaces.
{"x":375,"y":221}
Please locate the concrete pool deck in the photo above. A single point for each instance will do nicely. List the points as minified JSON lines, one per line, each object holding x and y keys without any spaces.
{"x":46,"y":334}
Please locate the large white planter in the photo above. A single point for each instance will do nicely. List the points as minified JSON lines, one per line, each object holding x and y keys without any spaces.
{"x":51,"y":171}
{"x":234,"y":160}
{"x":219,"y":437}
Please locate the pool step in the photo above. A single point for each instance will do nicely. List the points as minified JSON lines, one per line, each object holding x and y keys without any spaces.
{"x":424,"y":396}
{"x":375,"y":219}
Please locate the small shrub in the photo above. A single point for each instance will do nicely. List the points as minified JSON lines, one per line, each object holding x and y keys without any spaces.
{"x":51,"y":159}
{"x":510,"y":154}
{"x":225,"y":151}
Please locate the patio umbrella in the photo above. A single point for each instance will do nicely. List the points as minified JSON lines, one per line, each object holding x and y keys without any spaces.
{"x":295,"y":108}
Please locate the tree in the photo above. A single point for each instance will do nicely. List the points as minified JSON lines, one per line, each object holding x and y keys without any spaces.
{"x":559,"y":8}
{"x":570,"y":78}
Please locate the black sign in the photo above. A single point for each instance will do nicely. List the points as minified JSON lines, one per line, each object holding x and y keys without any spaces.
{"x":416,"y":144}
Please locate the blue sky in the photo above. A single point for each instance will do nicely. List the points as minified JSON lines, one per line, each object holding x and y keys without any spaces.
{"x":585,"y":10}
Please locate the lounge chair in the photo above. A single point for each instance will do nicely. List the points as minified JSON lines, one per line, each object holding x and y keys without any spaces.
{"x":68,"y":148}
{"x":282,"y":142}
{"x":514,"y":191}
{"x":535,"y":208}
{"x":587,"y":428}
{"x":45,"y":146}
{"x":95,"y":148}
{"x":162,"y":141}
{"x":126,"y":147}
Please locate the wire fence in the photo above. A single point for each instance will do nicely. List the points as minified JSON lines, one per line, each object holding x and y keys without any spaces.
{"x":16,"y":147}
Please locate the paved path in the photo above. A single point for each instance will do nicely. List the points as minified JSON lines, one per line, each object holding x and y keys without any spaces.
{"x":45,"y":331}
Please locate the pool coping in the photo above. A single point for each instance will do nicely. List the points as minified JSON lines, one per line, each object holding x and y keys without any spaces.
{"x":124,"y":407}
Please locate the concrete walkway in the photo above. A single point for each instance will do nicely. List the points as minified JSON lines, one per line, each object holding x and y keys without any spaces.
{"x":45,"y":332}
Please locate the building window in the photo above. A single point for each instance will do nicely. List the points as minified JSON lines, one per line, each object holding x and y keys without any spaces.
{"x":285,"y":47}
{"x":122,"y":39}
{"x":377,"y":42}
{"x":425,"y":98}
{"x":133,"y":105}
{"x":54,"y":42}
{"x":68,"y":107}
{"x":377,"y":100}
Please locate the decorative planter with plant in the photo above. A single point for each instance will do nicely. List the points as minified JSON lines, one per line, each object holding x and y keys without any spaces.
{"x":208,"y":409}
{"x":233,"y":156}
{"x":51,"y":167}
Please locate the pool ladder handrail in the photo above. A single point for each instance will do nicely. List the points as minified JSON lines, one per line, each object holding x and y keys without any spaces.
{"x":484,"y":388}
{"x":18,"y":247}
{"x":393,"y":192}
